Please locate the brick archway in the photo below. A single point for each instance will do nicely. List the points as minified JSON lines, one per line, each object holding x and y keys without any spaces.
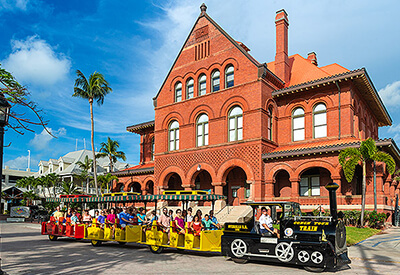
{"x":193,"y":172}
{"x":283,"y":166}
{"x":167,"y":173}
{"x":314,"y":163}
{"x":227,"y":166}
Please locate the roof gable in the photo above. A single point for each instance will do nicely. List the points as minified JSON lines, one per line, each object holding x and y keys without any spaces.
{"x":203,"y":29}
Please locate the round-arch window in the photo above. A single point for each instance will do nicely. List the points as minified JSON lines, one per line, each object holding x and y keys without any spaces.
{"x":202,"y":130}
{"x":202,"y":84}
{"x":319,"y":120}
{"x":190,"y":89}
{"x":235,"y":121}
{"x":298,"y":124}
{"x":178,"y":92}
{"x":229,"y":76}
{"x":215,"y":81}
{"x":174,"y":136}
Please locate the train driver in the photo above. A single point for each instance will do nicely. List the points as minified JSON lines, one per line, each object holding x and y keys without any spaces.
{"x":266,"y":223}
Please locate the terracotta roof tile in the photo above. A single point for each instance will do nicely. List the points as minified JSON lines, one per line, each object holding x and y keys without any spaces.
{"x":147,"y":168}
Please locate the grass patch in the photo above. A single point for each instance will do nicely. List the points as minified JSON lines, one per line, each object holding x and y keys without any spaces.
{"x":356,"y":235}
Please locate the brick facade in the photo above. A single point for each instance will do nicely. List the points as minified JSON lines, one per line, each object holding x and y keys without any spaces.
{"x":260,"y":165}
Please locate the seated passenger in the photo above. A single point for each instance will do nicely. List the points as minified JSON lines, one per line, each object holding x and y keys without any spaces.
{"x":189,"y":217}
{"x":164,"y":221}
{"x":153,"y":217}
{"x":171,"y":214}
{"x":266,"y":223}
{"x":101,"y":219}
{"x":142,"y":217}
{"x":179,"y":222}
{"x":74,"y":218}
{"x":110,"y":219}
{"x":207,"y":222}
{"x":196,"y":226}
{"x":199,"y":213}
{"x":58,"y":214}
{"x":86,"y":218}
{"x":125,"y":218}
{"x":214,"y":222}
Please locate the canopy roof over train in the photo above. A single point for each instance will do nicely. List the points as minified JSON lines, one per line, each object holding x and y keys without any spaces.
{"x":141,"y":198}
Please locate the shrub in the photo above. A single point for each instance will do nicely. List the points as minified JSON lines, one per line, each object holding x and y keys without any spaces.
{"x":375,"y":219}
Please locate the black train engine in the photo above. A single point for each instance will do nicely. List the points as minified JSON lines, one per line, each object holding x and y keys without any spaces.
{"x":313,"y":242}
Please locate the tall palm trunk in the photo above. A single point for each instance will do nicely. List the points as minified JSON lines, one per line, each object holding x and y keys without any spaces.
{"x":364,"y":186}
{"x":87,"y":186}
{"x":94,"y":153}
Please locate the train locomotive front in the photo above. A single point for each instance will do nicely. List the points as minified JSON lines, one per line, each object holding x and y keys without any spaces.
{"x":316,"y":243}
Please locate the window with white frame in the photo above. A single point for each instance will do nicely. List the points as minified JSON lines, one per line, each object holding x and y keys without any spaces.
{"x":235,"y":124}
{"x":202,"y":84}
{"x":215,"y":81}
{"x":309,"y":186}
{"x":229,"y":76}
{"x":298,"y":124}
{"x":178,"y":92}
{"x":319,"y":120}
{"x":202,"y":130}
{"x":174,"y":136}
{"x":190,"y":88}
{"x":152,"y":148}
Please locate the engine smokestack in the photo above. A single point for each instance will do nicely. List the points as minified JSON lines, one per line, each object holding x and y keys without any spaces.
{"x":332,"y":187}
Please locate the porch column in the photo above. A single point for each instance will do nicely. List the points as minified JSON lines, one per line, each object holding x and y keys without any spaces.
{"x":295,"y":183}
{"x":269,"y":189}
{"x":218,"y":187}
{"x":387,"y":185}
{"x":144,"y":191}
{"x":253,"y":192}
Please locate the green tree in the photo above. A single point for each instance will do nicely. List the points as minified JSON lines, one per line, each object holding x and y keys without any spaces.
{"x":110,"y":149}
{"x":29,"y":196}
{"x":104,"y":181}
{"x":85,"y":166}
{"x":349,"y":158}
{"x":94,"y":88}
{"x":53,"y":180}
{"x":69,"y":188}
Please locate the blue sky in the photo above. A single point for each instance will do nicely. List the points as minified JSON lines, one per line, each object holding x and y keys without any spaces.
{"x":134,"y":43}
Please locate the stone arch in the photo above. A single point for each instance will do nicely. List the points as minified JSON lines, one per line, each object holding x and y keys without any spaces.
{"x":203,"y":108}
{"x":271,"y":103}
{"x":316,"y":164}
{"x":230,"y":60}
{"x":282,"y":166}
{"x":300,"y":102}
{"x":172,"y":116}
{"x":193,"y":172}
{"x":320,"y":98}
{"x":232,"y":101}
{"x":228,"y":165}
{"x":134,"y":186}
{"x":149,"y":185}
{"x":167,"y":173}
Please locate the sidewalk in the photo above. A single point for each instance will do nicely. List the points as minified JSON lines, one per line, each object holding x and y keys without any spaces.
{"x":379,"y":254}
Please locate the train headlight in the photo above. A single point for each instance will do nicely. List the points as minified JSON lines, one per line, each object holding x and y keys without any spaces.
{"x":289,"y":232}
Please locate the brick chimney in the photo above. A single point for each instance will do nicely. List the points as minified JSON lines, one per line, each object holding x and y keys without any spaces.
{"x":282,"y":69}
{"x":312,"y":57}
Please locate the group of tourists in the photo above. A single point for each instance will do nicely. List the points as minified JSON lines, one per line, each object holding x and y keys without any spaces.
{"x":123,"y":216}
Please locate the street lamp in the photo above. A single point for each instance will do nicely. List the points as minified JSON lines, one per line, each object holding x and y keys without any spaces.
{"x":4,"y":111}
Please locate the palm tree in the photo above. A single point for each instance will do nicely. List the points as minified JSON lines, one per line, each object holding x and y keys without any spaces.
{"x":109,"y":149}
{"x":96,"y":88}
{"x":349,"y":158}
{"x":69,"y":188}
{"x":105,"y":179}
{"x":85,"y":166}
{"x":53,"y":179}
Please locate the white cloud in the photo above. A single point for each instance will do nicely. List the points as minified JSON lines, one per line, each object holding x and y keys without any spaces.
{"x":13,"y":4}
{"x":391,"y":94}
{"x":34,"y":61}
{"x":42,"y":140}
{"x":18,"y":163}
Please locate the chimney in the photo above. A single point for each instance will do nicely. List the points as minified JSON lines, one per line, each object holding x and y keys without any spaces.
{"x":312,"y":57}
{"x":282,"y":69}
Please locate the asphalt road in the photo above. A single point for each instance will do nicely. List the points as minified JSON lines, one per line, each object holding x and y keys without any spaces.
{"x":25,"y":251}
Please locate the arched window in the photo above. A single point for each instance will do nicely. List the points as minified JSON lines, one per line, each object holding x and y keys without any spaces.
{"x":229,"y":76}
{"x":235,"y":120}
{"x":270,"y":120}
{"x":152,"y":148}
{"x":173,"y":136}
{"x":190,"y":88}
{"x":178,"y":92}
{"x":298,"y":124}
{"x":202,"y":84}
{"x":215,"y":81}
{"x":319,"y":120}
{"x":202,"y":130}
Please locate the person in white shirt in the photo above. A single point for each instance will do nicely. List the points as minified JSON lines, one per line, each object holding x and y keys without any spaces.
{"x":266,"y":223}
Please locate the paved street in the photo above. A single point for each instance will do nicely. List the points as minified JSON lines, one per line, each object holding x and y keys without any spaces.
{"x":25,"y":251}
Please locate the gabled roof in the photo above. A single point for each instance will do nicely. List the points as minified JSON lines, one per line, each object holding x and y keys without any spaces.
{"x":233,"y":41}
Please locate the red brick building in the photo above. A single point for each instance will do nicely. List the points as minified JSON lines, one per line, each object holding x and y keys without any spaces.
{"x":259,"y":131}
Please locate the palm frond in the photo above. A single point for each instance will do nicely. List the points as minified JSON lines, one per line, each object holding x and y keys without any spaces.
{"x":387,"y":159}
{"x":368,"y":148}
{"x":349,"y":167}
{"x":348,"y":153}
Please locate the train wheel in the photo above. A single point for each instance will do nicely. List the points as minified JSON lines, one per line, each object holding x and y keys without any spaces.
{"x":96,"y":243}
{"x":53,"y":238}
{"x":156,"y":249}
{"x":284,"y":252}
{"x":122,"y":243}
{"x":314,"y":269}
{"x":238,"y":249}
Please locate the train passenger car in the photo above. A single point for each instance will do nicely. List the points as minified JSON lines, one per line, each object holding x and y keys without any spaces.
{"x":316,"y":243}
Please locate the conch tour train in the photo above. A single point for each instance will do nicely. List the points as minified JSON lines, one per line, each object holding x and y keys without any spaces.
{"x":276,"y":232}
